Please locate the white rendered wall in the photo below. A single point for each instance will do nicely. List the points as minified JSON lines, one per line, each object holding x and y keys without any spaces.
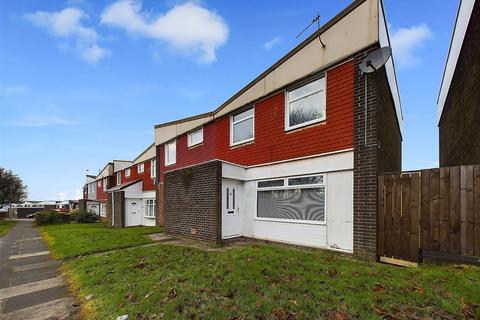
{"x":337,"y":231}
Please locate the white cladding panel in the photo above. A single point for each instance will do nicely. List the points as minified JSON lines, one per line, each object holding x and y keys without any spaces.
{"x":335,"y":234}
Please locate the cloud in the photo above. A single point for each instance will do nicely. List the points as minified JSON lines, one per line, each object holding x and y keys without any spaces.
{"x":39,"y":121}
{"x":12,"y":89}
{"x":188,"y":27}
{"x":406,"y":42}
{"x":67,"y":23}
{"x":271,"y":43}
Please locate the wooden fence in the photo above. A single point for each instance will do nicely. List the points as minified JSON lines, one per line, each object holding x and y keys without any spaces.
{"x":434,"y":210}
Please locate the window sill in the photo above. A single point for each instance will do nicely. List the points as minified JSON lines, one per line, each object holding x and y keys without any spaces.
{"x":150,"y":217}
{"x":306,"y":125}
{"x":242,"y":144}
{"x":316,"y":223}
{"x":193,"y":146}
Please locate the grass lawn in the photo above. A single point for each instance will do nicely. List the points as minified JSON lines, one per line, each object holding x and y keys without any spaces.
{"x":72,"y":240}
{"x":266,"y":282}
{"x":5,"y":226}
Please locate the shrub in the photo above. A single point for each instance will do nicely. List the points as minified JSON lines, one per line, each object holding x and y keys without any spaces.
{"x":86,"y":217}
{"x":47,"y":217}
{"x":73,"y":213}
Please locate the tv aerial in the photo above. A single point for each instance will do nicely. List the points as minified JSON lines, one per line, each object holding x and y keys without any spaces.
{"x":370,"y":64}
{"x":317,"y":20}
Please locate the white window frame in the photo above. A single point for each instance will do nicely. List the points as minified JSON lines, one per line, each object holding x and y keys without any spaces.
{"x":190,"y":134}
{"x":285,"y":187}
{"x":287,"y":104}
{"x":153,"y":168}
{"x":127,"y":172}
{"x":168,"y":161}
{"x":119,"y":178}
{"x":232,"y":123}
{"x":148,"y":204}
{"x":103,"y":210}
{"x":141,"y":167}
{"x":105,"y":180}
{"x":99,"y":183}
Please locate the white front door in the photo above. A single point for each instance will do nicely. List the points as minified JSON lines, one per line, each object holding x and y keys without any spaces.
{"x":231,"y":208}
{"x":133,"y":212}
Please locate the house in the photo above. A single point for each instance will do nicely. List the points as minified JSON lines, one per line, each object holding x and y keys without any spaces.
{"x":132,"y":199}
{"x":95,"y":189}
{"x":27,"y":208}
{"x":66,"y":205}
{"x":294,"y":155}
{"x":459,"y":97}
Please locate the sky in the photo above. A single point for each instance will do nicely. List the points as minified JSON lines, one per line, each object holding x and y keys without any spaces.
{"x":83,"y":82}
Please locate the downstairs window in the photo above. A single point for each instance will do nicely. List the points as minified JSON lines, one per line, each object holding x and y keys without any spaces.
{"x":292,"y":199}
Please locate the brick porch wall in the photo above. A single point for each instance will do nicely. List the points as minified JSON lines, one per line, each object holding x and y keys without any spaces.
{"x":119,"y":209}
{"x":382,"y":152}
{"x":192,"y":206}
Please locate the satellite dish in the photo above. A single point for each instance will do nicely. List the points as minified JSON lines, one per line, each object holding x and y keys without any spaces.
{"x":375,"y":60}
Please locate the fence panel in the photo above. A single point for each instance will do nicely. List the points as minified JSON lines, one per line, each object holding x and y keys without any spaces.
{"x":432,"y":210}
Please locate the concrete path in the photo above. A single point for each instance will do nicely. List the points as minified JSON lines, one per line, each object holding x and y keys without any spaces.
{"x":31,"y":286}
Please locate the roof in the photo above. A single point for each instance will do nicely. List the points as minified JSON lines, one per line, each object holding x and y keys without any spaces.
{"x":148,"y":153}
{"x":464,"y":13}
{"x":302,"y":61}
{"x":119,"y":165}
{"x":124,"y":185}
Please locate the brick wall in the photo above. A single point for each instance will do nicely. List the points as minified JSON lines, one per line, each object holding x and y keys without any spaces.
{"x":192,"y":206}
{"x":381,"y":152}
{"x":119,"y":209}
{"x":108,"y":218}
{"x":160,"y":201}
{"x":460,"y":123}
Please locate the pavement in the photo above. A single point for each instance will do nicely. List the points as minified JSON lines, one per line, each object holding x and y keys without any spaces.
{"x":31,"y":286}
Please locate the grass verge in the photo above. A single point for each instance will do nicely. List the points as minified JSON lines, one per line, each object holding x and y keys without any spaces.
{"x":5,"y":226}
{"x":73,"y":240}
{"x":267,"y":282}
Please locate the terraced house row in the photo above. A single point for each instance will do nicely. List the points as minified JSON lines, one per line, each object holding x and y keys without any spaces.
{"x":292,"y":157}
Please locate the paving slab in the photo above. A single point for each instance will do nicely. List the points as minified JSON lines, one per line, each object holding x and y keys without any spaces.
{"x":31,"y":284}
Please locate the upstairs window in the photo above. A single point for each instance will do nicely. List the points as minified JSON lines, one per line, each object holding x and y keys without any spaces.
{"x":195,"y":137}
{"x":127,"y":172}
{"x":171,"y":153}
{"x":153,"y":169}
{"x":141,"y":168}
{"x":305,"y":105}
{"x":119,"y":178}
{"x":242,"y":127}
{"x":99,"y":183}
{"x":105,"y":182}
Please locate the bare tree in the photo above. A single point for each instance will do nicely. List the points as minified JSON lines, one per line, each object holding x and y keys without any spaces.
{"x":12,"y":189}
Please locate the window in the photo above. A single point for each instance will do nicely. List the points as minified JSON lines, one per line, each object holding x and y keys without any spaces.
{"x":242,"y":127}
{"x":195,"y":137}
{"x":105,"y":182}
{"x":171,"y":153}
{"x":153,"y":169}
{"x":150,"y":208}
{"x":141,"y":168}
{"x":103,"y":210}
{"x":292,"y":199}
{"x":99,"y":183}
{"x":119,"y":178}
{"x":305,"y":105}
{"x":127,"y":172}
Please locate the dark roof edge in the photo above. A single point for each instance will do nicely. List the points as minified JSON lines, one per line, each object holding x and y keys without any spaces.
{"x":143,"y":152}
{"x":198,"y":116}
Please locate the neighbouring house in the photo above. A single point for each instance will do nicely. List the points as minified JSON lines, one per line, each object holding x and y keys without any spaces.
{"x":66,"y":205}
{"x":132,"y":198}
{"x":294,"y":155}
{"x":459,"y":98}
{"x":27,"y":208}
{"x":95,"y":189}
